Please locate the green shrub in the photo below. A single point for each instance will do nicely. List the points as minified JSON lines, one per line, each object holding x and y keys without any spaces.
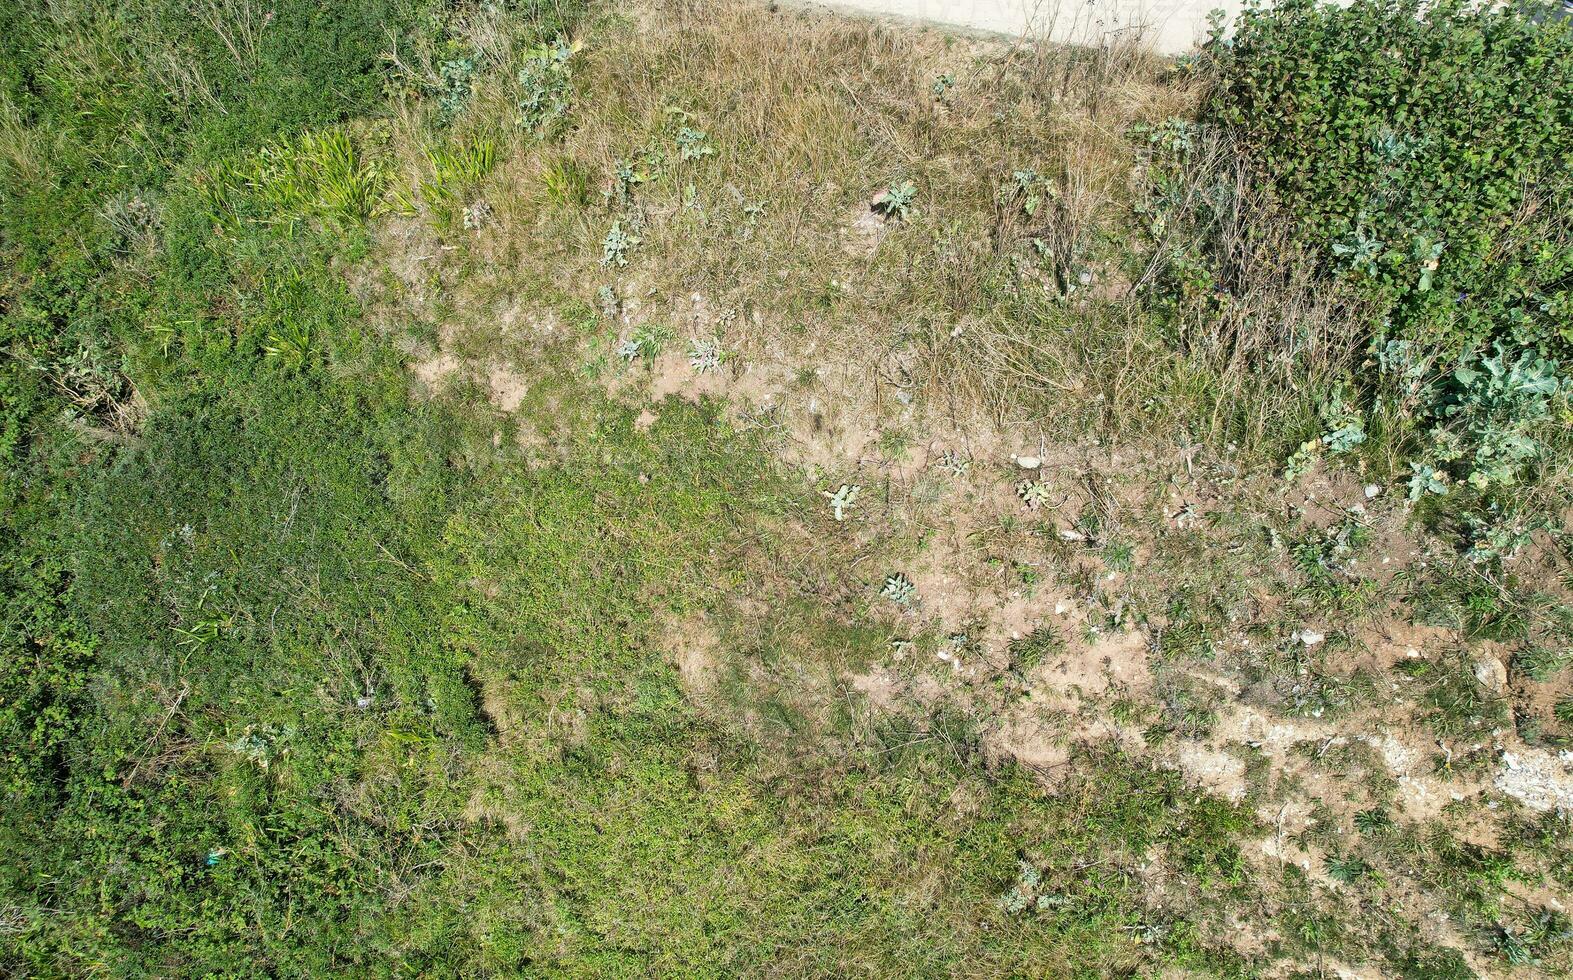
{"x":1421,"y":153}
{"x":545,"y":87}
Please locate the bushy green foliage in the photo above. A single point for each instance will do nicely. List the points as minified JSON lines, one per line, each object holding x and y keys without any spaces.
{"x":1487,"y":420}
{"x":545,"y":87}
{"x":1422,"y":151}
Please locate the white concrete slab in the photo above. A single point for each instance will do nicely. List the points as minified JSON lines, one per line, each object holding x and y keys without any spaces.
{"x":1170,"y":26}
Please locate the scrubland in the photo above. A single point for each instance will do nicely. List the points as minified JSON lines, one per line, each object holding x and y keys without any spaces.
{"x":710,"y":489}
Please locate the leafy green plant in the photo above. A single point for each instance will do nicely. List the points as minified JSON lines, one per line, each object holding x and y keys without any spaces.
{"x":617,"y":245}
{"x":546,"y":87}
{"x":1034,"y":494}
{"x":896,"y":200}
{"x":900,"y":590}
{"x":705,"y":354}
{"x":842,"y":500}
{"x":1486,"y":427}
{"x":455,"y":85}
{"x":1426,"y":480}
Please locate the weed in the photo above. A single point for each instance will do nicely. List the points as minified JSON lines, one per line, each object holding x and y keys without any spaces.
{"x":1027,"y":894}
{"x":1035,"y":648}
{"x":617,"y":244}
{"x":546,"y":88}
{"x":457,"y":171}
{"x":705,"y":354}
{"x":477,"y":216}
{"x":692,"y":144}
{"x":457,"y":82}
{"x":644,"y":343}
{"x":1563,"y":711}
{"x":1543,"y":663}
{"x":900,"y":590}
{"x":842,"y":500}
{"x":896,"y":200}
{"x":291,"y":345}
{"x":1373,"y":822}
{"x":1486,"y":427}
{"x":1034,"y":494}
{"x":954,"y":463}
{"x":565,"y":183}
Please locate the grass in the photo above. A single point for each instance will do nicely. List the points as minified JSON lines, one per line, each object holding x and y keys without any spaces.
{"x":363,"y":612}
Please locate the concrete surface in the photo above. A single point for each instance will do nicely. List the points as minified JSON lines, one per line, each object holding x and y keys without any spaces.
{"x":1170,"y":26}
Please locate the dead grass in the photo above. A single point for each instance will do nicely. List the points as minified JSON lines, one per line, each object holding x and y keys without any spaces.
{"x":973,"y":306}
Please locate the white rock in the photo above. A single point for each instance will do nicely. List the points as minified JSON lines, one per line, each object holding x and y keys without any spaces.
{"x":1309,"y":637}
{"x":1028,"y":462}
{"x":1372,"y":491}
{"x":1491,"y":674}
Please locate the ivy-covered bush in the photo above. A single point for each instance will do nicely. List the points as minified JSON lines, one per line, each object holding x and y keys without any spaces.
{"x":1423,"y":153}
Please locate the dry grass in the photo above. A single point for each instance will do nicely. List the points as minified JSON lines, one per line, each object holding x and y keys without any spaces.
{"x":973,"y":306}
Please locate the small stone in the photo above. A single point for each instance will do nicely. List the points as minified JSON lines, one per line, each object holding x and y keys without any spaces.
{"x":1028,"y":462}
{"x":1372,"y":491}
{"x":1069,"y":535}
{"x":1491,"y":674}
{"x":1309,"y":638}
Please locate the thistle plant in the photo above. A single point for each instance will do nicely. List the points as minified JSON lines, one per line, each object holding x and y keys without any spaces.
{"x":606,"y":298}
{"x":896,"y":201}
{"x":900,"y":590}
{"x":954,"y":463}
{"x":545,"y":87}
{"x":645,"y":342}
{"x":477,"y":216}
{"x":1033,"y":493}
{"x":842,"y":499}
{"x":692,"y":144}
{"x":1027,"y":895}
{"x":616,"y":246}
{"x":705,"y":355}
